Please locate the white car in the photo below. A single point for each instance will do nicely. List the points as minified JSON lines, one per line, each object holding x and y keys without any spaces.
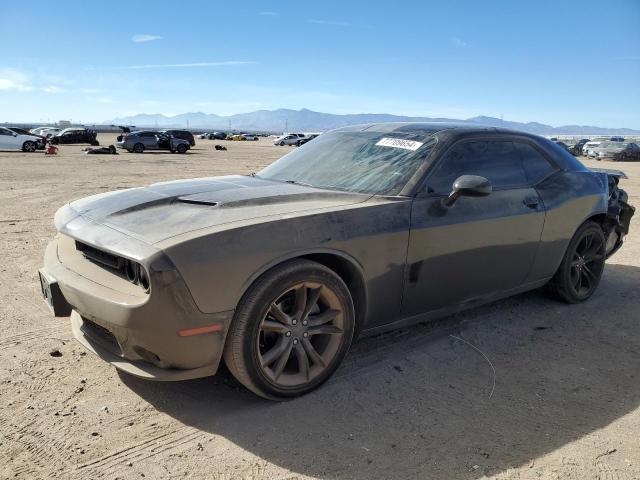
{"x":13,"y":141}
{"x":37,"y":130}
{"x":288,"y":139}
{"x":590,"y":146}
{"x":49,"y":132}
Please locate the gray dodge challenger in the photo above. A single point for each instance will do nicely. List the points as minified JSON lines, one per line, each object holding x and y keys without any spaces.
{"x":364,"y":229}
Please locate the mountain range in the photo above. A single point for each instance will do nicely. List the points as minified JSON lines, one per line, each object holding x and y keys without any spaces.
{"x":305,"y":120}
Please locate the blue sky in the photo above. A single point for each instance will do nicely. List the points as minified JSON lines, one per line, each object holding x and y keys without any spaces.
{"x":556,"y":62}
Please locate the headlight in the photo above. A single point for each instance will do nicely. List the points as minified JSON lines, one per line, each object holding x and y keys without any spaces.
{"x":136,"y":273}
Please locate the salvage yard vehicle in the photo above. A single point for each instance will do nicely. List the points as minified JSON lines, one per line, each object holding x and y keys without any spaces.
{"x":181,"y":134}
{"x":290,"y":139}
{"x":619,"y":151}
{"x":143,"y":140}
{"x":42,"y":140}
{"x":10,"y":140}
{"x":364,"y":229}
{"x":306,"y":139}
{"x":576,"y":149}
{"x":588,"y":146}
{"x":74,"y":136}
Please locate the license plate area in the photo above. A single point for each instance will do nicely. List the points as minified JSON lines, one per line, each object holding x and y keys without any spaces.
{"x":53,"y":296}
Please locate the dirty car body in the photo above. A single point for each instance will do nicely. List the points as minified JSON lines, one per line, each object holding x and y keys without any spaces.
{"x":152,"y":277}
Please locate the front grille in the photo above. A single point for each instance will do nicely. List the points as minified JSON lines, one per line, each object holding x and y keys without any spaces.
{"x":101,"y":335}
{"x":98,"y":256}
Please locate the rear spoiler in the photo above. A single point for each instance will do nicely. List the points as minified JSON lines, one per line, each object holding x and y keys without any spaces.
{"x":613,"y":173}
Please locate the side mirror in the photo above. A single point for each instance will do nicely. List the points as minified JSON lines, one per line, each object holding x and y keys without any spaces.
{"x":468,"y":186}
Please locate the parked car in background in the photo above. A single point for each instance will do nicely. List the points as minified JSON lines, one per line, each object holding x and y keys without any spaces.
{"x":237,"y":137}
{"x":288,"y":139}
{"x":306,"y":139}
{"x":50,"y":132}
{"x":125,"y":130}
{"x":616,"y":139}
{"x":21,"y":131}
{"x":562,"y":144}
{"x":182,"y":134}
{"x":10,"y":140}
{"x":75,"y":135}
{"x":38,"y":130}
{"x":203,"y":136}
{"x":250,"y":137}
{"x":576,"y":149}
{"x":619,"y":151}
{"x":143,"y":140}
{"x":217,"y":136}
{"x":589,"y":146}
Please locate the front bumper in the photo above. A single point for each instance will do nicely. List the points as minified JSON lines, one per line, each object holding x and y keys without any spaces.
{"x":139,"y":334}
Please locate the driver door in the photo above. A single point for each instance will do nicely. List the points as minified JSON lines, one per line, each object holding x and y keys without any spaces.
{"x":480,"y":246}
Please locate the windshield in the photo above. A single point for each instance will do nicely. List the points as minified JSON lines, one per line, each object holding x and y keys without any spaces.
{"x":364,"y":162}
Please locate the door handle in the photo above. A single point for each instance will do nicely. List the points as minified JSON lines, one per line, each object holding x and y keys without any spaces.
{"x":531,"y":202}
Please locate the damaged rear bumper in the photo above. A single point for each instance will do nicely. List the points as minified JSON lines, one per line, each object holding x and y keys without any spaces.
{"x":619,"y":214}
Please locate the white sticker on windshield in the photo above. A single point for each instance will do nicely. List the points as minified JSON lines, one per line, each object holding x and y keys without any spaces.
{"x":400,"y":143}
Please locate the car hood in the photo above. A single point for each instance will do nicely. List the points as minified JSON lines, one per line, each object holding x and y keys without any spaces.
{"x":164,"y":210}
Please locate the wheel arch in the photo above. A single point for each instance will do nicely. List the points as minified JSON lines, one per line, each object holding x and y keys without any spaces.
{"x":343,"y":264}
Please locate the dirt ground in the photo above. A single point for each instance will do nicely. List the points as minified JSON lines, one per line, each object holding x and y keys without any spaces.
{"x":555,"y":392}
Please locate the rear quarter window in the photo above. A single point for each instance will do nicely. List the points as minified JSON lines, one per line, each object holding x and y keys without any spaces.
{"x":536,"y":167}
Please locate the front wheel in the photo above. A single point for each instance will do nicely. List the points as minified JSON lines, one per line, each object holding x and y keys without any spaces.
{"x":581,"y":269}
{"x":291,"y":330}
{"x":29,"y":146}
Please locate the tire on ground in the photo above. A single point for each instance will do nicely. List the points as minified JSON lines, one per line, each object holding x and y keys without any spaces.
{"x":240,"y":353}
{"x":560,"y":285}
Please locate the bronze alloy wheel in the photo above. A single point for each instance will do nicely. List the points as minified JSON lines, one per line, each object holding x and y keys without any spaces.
{"x":300,"y":334}
{"x":291,"y":330}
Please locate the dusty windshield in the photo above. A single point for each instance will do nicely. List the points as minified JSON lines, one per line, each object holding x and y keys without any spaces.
{"x":365,"y":162}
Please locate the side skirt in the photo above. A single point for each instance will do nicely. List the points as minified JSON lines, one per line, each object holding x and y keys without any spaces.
{"x":443,"y":312}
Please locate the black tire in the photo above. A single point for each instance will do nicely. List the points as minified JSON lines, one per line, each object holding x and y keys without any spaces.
{"x":246,"y":351}
{"x":95,"y":143}
{"x":181,"y":148}
{"x":54,"y":141}
{"x":579,"y":274}
{"x":29,"y":146}
{"x":138,"y":148}
{"x":281,"y":144}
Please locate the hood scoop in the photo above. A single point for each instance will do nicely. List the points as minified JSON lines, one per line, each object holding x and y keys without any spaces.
{"x":196,"y":201}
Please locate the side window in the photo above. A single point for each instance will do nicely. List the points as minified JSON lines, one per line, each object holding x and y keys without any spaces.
{"x":498,"y":161}
{"x":535,"y":166}
{"x":4,"y":131}
{"x":147,"y":134}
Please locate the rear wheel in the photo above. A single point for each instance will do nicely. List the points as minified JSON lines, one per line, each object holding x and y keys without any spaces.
{"x":29,"y":146}
{"x":181,"y":148}
{"x":291,"y":330}
{"x":138,"y":148}
{"x":581,"y":269}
